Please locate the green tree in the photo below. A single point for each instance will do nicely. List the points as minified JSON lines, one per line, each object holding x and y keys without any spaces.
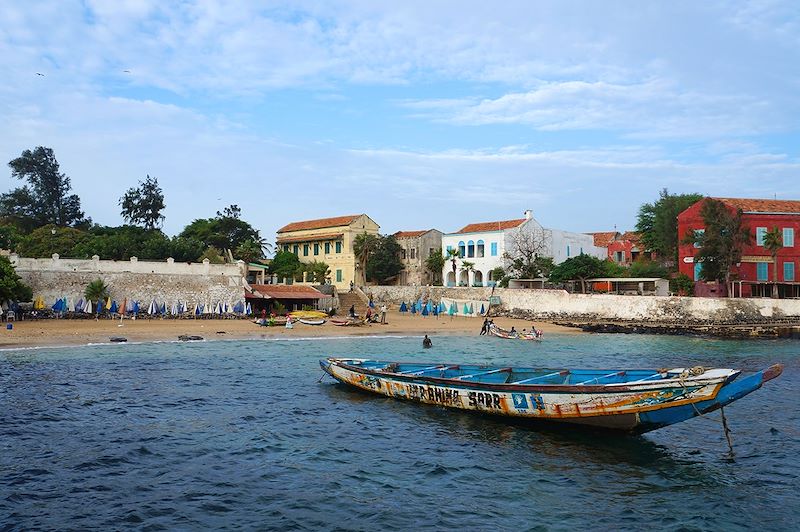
{"x":96,"y":290}
{"x":142,"y":205}
{"x":249,"y":251}
{"x":364,"y":246}
{"x":658,"y":223}
{"x":11,"y":286}
{"x":435,"y":264}
{"x":124,"y":242}
{"x":682,"y":285}
{"x":468,"y":267}
{"x":612,"y":269}
{"x":384,"y":261}
{"x":319,"y":271}
{"x":227,"y":231}
{"x":720,"y":245}
{"x":9,"y":237}
{"x":46,"y":198}
{"x":213,"y":255}
{"x":773,"y":242}
{"x":647,"y":268}
{"x":452,"y":256}
{"x":285,"y":265}
{"x":581,"y":268}
{"x":499,"y":276}
{"x":184,"y":249}
{"x":49,"y":239}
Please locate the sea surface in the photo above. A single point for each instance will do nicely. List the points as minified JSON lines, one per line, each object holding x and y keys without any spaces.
{"x":244,"y":435}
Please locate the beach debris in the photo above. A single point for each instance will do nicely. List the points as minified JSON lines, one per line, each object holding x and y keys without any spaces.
{"x":117,"y":339}
{"x":189,"y":338}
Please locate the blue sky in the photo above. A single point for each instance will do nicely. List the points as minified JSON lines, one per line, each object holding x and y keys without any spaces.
{"x":421,"y":114}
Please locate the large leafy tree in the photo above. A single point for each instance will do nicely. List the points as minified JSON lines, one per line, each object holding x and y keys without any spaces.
{"x":318,"y":270}
{"x":122,"y":243}
{"x":773,"y":242}
{"x":363,"y":247}
{"x":11,"y":286}
{"x":720,"y":245}
{"x":45,"y":199}
{"x":579,"y":268}
{"x":435,"y":264}
{"x":142,"y":205}
{"x":226,"y":231}
{"x":384,"y":262}
{"x":9,"y":237}
{"x":285,"y":265}
{"x":49,"y":239}
{"x":249,"y":251}
{"x":658,"y":223}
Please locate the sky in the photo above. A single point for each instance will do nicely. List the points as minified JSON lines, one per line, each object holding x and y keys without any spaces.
{"x":421,"y":114}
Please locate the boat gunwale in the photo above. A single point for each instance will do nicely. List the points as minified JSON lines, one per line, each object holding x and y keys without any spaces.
{"x":544,"y":388}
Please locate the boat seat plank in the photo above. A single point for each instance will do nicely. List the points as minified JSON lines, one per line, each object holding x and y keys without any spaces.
{"x":420,"y":371}
{"x":598,"y":379}
{"x":483,"y":373}
{"x":541,"y":377}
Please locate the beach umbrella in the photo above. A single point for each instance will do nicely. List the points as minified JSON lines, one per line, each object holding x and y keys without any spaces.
{"x":57,"y":305}
{"x":207,"y":308}
{"x":79,"y":306}
{"x":135,"y":308}
{"x":114,"y":308}
{"x":453,"y":309}
{"x":70,"y":305}
{"x":123,"y":306}
{"x":151,"y":308}
{"x":424,"y":310}
{"x":403,"y":307}
{"x":483,"y":311}
{"x":419,"y":304}
{"x":413,"y":308}
{"x":108,"y":302}
{"x":471,"y":309}
{"x":466,"y":310}
{"x":87,"y":308}
{"x":174,"y":310}
{"x":371,"y":304}
{"x":197,"y":309}
{"x":100,"y":306}
{"x":163,"y":308}
{"x":218,"y":308}
{"x":436,"y":310}
{"x":248,"y":309}
{"x":428,"y":305}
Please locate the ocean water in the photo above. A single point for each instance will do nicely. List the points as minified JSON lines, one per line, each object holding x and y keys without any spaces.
{"x":243,"y":434}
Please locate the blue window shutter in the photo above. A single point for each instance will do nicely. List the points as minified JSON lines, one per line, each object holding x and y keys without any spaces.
{"x":762,"y":271}
{"x":494,"y":249}
{"x":567,"y":251}
{"x":698,"y":269}
{"x":788,"y":237}
{"x":788,"y":271}
{"x":760,"y":232}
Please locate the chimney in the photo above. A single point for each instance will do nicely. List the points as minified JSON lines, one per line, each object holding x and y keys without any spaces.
{"x":528,"y":214}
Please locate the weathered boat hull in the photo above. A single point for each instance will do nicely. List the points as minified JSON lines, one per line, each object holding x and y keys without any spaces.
{"x":634,"y":407}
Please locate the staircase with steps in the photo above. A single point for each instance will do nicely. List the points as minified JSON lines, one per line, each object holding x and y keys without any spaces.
{"x":348,"y":299}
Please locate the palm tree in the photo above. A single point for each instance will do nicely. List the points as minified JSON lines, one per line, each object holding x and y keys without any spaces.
{"x":467,"y":267}
{"x":773,"y":242}
{"x":363,"y":247}
{"x":435,"y":264}
{"x":452,"y":255}
{"x":250,"y":251}
{"x":95,"y":291}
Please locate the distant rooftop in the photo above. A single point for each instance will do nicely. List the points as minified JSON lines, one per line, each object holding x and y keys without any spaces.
{"x":319,"y":224}
{"x":763,"y":205}
{"x":410,"y":234}
{"x":492,"y":226}
{"x":603,"y":239}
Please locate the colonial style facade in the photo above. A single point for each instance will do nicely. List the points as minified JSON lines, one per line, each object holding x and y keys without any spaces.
{"x":756,"y":273}
{"x":328,"y":240}
{"x":623,"y":248}
{"x":483,"y":245}
{"x":417,"y":246}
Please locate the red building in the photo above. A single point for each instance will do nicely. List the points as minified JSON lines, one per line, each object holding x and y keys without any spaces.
{"x":755,"y":274}
{"x":623,"y":248}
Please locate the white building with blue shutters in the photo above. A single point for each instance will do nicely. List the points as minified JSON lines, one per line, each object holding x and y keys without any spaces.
{"x":483,"y":245}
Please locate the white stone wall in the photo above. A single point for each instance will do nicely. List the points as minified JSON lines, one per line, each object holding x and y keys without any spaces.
{"x":135,"y":280}
{"x":558,"y":304}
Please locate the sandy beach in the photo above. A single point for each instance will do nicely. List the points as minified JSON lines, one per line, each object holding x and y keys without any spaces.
{"x":80,"y":332}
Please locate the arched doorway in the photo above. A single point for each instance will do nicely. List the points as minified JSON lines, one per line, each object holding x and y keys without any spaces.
{"x":478,"y":278}
{"x":463,"y":278}
{"x":451,"y":279}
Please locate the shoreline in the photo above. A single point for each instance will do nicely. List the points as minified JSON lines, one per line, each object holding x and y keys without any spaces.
{"x":66,"y":332}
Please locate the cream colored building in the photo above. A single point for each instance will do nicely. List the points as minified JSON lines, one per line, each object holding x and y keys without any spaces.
{"x":328,"y":240}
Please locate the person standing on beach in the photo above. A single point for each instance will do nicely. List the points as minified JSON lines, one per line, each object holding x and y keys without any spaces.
{"x":383,"y":314}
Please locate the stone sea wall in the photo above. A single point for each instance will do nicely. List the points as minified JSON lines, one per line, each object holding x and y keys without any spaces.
{"x":135,"y":280}
{"x":559,"y":305}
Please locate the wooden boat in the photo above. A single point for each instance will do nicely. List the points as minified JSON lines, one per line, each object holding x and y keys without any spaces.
{"x":636,"y":401}
{"x":494,"y":330}
{"x":347,"y":322}
{"x":311,"y":322}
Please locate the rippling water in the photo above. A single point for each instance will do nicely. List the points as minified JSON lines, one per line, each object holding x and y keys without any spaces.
{"x":242,"y":434}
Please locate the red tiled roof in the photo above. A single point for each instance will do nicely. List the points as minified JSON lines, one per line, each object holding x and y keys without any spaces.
{"x":633,"y":236}
{"x":280,"y":291}
{"x":410,"y":234}
{"x":319,"y":224}
{"x":603,"y":239}
{"x":762,"y":205}
{"x":491,"y":226}
{"x":309,"y":238}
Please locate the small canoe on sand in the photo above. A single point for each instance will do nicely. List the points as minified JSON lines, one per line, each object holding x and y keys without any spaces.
{"x":311,"y":322}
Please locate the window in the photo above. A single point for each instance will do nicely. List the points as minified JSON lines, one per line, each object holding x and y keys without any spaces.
{"x":316,"y":249}
{"x":430,"y":251}
{"x":470,"y":249}
{"x":762,"y":271}
{"x":494,"y":249}
{"x":480,"y":251}
{"x":413,"y":253}
{"x":338,"y":247}
{"x":327,"y":248}
{"x":760,"y":232}
{"x":788,"y":271}
{"x":567,"y":251}
{"x":462,"y":249}
{"x":619,"y":256}
{"x":448,"y":249}
{"x":403,"y":253}
{"x":286,"y":247}
{"x":296,"y":249}
{"x":305,"y":250}
{"x":788,"y":237}
{"x":697,"y":235}
{"x":581,"y":251}
{"x":338,"y":275}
